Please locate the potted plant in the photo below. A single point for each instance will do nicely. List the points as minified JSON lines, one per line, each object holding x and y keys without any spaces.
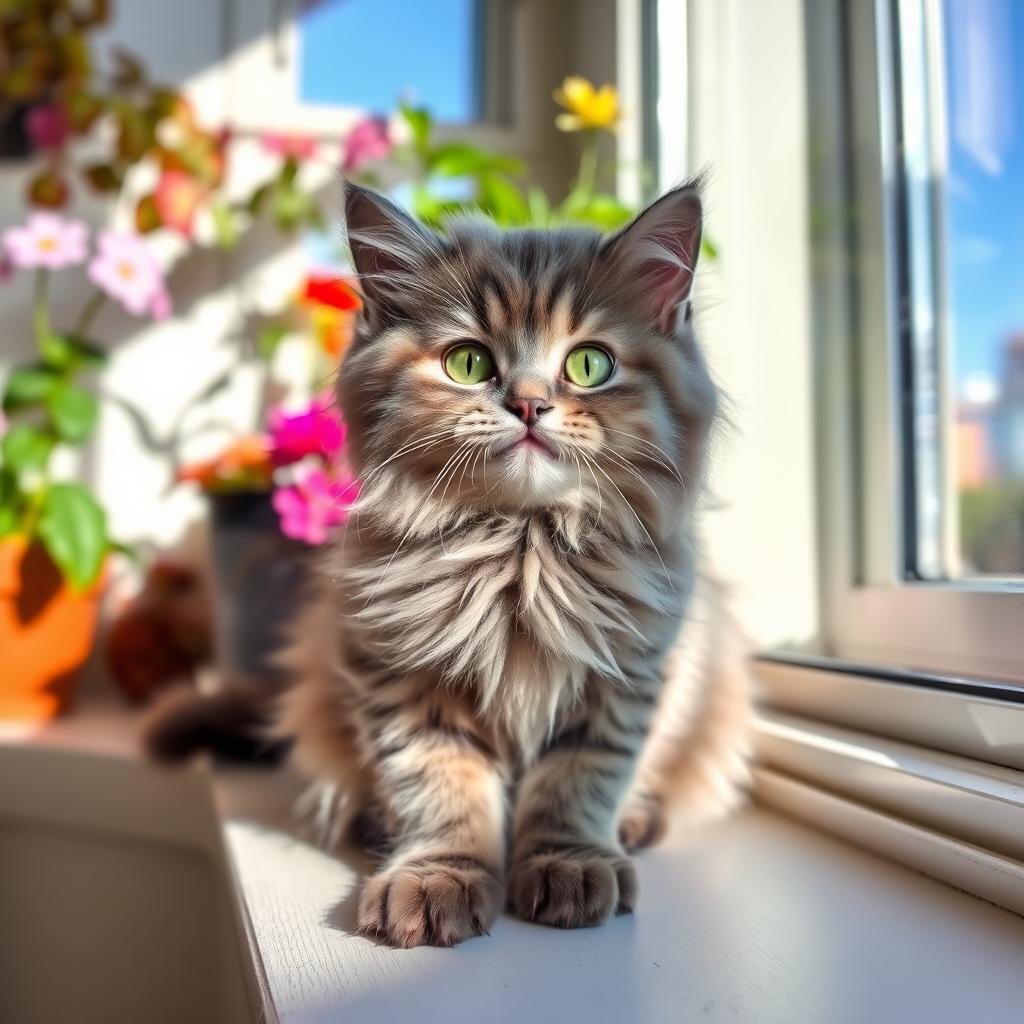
{"x":53,"y":532}
{"x":274,"y":496}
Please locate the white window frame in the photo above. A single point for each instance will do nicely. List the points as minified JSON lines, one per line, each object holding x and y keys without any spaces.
{"x":262,"y":83}
{"x":871,"y":614}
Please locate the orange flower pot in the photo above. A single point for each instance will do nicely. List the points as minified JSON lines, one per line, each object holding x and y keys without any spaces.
{"x":46,"y":632}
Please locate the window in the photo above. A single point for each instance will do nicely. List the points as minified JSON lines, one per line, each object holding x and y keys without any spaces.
{"x":434,"y":60}
{"x":922,"y":402}
{"x":314,"y":65}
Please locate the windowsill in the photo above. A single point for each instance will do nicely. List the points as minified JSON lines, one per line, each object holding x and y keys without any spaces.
{"x":759,"y":919}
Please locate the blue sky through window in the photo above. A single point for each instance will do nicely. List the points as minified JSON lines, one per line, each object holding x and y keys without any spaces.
{"x":985,"y":185}
{"x":370,"y":53}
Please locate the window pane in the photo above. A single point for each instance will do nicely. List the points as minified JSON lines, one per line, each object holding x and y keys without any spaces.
{"x":370,"y":53}
{"x":983,"y":197}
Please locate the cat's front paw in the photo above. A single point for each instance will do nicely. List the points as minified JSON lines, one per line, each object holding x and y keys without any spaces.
{"x":436,"y":902}
{"x":572,"y":890}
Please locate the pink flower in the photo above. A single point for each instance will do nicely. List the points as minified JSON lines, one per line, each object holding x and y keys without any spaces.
{"x":47,"y":240}
{"x":369,"y":140}
{"x":161,"y":307}
{"x":126,"y":270}
{"x":314,"y":504}
{"x":47,"y":126}
{"x":314,"y":431}
{"x":293,"y":147}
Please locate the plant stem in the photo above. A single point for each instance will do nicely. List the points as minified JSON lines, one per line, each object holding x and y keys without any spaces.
{"x":90,"y":311}
{"x":40,"y":307}
{"x":587,"y":177}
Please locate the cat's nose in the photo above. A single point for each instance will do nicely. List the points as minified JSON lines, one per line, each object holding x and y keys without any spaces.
{"x":529,"y":410}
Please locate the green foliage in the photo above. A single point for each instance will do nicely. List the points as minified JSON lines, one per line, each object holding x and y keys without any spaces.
{"x":25,"y":448}
{"x":73,"y":527}
{"x":27,"y":385}
{"x":70,"y":353}
{"x":73,"y":411}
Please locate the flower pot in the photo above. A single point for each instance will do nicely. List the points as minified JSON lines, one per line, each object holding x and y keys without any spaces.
{"x":258,"y":579}
{"x":46,"y":632}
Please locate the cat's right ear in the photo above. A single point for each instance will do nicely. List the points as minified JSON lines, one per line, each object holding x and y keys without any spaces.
{"x":388,"y":247}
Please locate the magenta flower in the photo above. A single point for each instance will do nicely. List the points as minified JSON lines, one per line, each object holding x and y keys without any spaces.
{"x":314,"y":504}
{"x":314,"y":431}
{"x":47,"y":126}
{"x":47,"y":240}
{"x":126,"y":270}
{"x":293,"y":147}
{"x":369,"y":140}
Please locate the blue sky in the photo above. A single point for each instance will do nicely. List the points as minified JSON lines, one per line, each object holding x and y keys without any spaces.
{"x":369,"y":53}
{"x":985,"y":194}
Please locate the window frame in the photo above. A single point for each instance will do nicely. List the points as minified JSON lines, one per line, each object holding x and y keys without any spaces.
{"x":262,"y":82}
{"x":872,"y":611}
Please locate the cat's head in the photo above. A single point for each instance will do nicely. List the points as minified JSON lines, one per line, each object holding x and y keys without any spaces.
{"x":528,"y":369}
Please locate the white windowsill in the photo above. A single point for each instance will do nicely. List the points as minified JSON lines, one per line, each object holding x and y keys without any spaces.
{"x":760,"y":919}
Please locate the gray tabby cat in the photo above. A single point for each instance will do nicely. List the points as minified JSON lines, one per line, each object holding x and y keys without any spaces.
{"x":515,"y":664}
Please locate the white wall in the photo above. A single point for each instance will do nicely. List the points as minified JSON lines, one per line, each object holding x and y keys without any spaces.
{"x":749,"y":125}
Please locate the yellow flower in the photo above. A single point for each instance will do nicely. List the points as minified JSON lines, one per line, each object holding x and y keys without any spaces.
{"x":587,"y":107}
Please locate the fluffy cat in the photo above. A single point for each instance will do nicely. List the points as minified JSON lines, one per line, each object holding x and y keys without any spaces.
{"x":514,"y":663}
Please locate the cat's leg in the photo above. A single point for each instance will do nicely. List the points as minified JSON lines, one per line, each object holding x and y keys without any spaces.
{"x":568,"y":868}
{"x":444,"y":787}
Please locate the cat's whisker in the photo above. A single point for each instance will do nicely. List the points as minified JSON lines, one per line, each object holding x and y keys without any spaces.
{"x":664,"y":461}
{"x":405,"y":449}
{"x":640,"y":523}
{"x":624,"y":462}
{"x":425,"y":508}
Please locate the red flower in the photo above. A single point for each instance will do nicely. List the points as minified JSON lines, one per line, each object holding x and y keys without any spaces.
{"x":177,"y":197}
{"x":330,"y":291}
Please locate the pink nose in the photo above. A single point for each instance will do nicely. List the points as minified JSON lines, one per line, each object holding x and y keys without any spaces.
{"x":529,"y":410}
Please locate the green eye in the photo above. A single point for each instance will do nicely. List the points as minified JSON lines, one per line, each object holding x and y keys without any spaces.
{"x":588,"y":366}
{"x":469,"y":364}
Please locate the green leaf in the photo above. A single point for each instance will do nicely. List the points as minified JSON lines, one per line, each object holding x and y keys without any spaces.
{"x":70,"y":352}
{"x":269,"y":338}
{"x":502,"y":200}
{"x":258,"y":198}
{"x":9,"y":503}
{"x":74,"y":529}
{"x":73,"y":411}
{"x":708,"y":249}
{"x":25,"y":447}
{"x":225,"y":224}
{"x":291,"y":207}
{"x":455,"y":159}
{"x":605,"y":211}
{"x":27,"y":385}
{"x":420,"y":124}
{"x":540,"y":206}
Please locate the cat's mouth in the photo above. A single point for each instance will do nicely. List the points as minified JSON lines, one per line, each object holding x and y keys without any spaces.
{"x":531,"y":441}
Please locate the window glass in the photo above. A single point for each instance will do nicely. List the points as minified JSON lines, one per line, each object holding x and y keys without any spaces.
{"x":983,"y":198}
{"x":371,"y":53}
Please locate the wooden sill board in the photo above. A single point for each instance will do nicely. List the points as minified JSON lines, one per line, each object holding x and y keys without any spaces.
{"x":759,"y":920}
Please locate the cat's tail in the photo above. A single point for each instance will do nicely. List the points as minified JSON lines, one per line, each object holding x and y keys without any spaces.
{"x":233,"y":722}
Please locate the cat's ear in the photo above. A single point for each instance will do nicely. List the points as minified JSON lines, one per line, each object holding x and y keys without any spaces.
{"x":655,"y":255}
{"x":387,"y":245}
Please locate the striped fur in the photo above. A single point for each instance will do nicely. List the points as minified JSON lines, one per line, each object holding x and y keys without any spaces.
{"x":505,"y":642}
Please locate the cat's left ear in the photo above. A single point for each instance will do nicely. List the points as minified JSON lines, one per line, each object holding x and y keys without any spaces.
{"x":655,"y":255}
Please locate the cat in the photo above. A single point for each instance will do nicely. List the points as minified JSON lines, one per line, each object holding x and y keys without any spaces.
{"x":514,"y":661}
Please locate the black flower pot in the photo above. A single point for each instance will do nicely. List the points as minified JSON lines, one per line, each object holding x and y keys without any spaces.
{"x":259,"y":577}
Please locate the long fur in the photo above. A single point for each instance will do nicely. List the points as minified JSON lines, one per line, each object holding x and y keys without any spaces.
{"x":512,"y":654}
